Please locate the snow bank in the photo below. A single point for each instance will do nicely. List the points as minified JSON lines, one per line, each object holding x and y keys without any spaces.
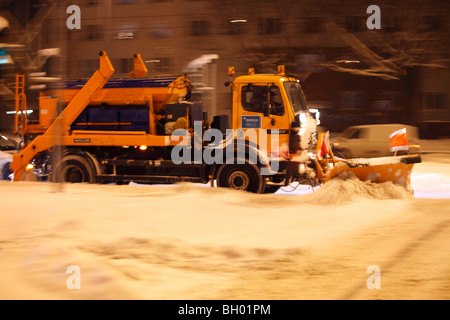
{"x":347,"y":187}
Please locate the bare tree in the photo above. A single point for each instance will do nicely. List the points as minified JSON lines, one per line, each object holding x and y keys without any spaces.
{"x":396,"y":57}
{"x":384,"y":60}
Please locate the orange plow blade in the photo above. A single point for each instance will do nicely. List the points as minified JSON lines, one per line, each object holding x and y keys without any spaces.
{"x":396,"y":169}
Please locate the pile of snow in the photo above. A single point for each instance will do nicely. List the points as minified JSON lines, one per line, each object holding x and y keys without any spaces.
{"x":347,"y":187}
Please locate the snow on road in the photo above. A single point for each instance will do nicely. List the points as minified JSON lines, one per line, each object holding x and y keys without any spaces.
{"x":195,"y":242}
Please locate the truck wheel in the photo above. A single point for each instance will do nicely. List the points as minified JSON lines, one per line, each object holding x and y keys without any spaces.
{"x":243,"y":177}
{"x":73,"y":169}
{"x":6,"y":172}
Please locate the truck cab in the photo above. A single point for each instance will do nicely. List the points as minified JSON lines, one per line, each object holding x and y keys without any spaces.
{"x":276,"y":104}
{"x":269,"y":113}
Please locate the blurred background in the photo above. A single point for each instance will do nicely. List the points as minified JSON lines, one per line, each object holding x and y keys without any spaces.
{"x":352,"y":75}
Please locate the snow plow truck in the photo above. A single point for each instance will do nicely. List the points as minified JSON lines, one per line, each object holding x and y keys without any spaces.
{"x":146,"y":130}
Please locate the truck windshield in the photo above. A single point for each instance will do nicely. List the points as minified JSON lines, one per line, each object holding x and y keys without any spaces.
{"x":296,"y":96}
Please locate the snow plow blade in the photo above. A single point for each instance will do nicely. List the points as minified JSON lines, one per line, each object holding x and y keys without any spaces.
{"x":396,"y":169}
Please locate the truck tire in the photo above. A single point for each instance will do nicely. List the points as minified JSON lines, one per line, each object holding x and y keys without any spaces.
{"x":6,"y":172}
{"x":245,"y":177}
{"x":74,"y":169}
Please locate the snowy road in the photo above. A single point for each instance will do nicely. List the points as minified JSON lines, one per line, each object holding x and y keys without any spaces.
{"x":192,"y":242}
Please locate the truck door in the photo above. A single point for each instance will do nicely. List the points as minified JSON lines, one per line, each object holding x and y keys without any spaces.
{"x":264,"y":107}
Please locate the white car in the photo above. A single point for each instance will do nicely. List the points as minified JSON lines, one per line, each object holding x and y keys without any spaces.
{"x":7,"y":148}
{"x":369,"y":141}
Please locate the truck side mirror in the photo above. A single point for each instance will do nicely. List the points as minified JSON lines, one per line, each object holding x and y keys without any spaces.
{"x":296,"y":123}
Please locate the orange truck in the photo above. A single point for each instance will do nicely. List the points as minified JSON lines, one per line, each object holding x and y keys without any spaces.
{"x":145,"y":130}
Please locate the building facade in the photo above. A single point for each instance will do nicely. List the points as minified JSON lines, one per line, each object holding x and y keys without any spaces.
{"x":319,"y":41}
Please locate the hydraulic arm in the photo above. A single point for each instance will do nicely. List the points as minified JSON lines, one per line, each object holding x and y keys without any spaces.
{"x":61,"y":125}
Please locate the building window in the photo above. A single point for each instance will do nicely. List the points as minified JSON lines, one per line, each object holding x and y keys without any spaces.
{"x":159,"y":65}
{"x":434,"y":101}
{"x":385,"y":101}
{"x":310,"y":63}
{"x":271,"y":26}
{"x":355,"y":24}
{"x":313,"y":25}
{"x":433,"y":23}
{"x":126,"y":1}
{"x":390,"y":23}
{"x":199,"y":27}
{"x":93,"y":32}
{"x":125,"y":65}
{"x":93,"y":2}
{"x":161,"y":30}
{"x":351,"y":100}
{"x":126,"y":31}
{"x":88,"y":66}
{"x":233,"y":28}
